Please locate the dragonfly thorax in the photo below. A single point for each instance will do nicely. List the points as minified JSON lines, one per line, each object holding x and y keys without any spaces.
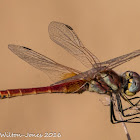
{"x":131,"y":83}
{"x":105,"y":82}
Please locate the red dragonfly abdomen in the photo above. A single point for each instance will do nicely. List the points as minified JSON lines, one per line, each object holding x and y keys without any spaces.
{"x":68,"y":87}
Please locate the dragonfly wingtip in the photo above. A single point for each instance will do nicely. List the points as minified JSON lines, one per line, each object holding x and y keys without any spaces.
{"x":10,"y":46}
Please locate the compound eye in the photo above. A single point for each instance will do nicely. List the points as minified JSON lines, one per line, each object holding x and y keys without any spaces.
{"x":128,"y":75}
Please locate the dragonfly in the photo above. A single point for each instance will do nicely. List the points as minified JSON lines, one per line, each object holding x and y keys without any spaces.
{"x":100,"y":76}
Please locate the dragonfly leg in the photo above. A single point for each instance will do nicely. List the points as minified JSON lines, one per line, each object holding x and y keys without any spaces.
{"x":113,"y":117}
{"x":112,"y":114}
{"x":129,"y":101}
{"x":135,"y":105}
{"x":120,"y":108}
{"x":134,"y":98}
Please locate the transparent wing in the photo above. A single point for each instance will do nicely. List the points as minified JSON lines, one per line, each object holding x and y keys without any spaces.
{"x":53,"y":69}
{"x":65,"y":36}
{"x":112,"y":63}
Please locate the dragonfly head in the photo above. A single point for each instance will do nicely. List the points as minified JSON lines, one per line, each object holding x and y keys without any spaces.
{"x":131,"y":83}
